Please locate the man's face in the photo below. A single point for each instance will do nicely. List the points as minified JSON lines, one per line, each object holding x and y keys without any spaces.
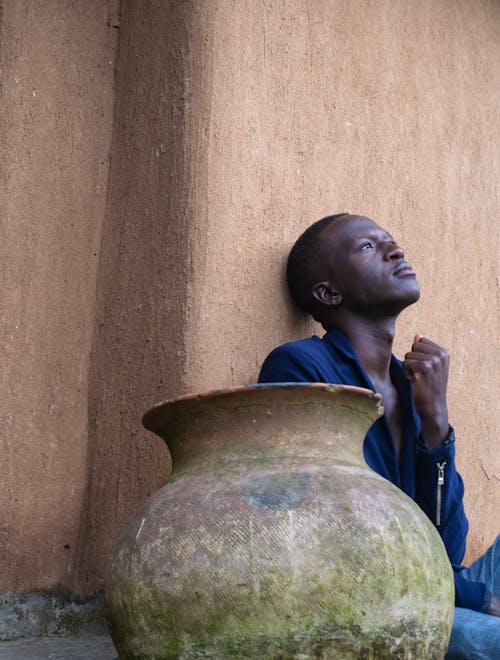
{"x":367,"y":267}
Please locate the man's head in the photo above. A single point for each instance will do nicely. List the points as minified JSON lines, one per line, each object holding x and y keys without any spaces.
{"x":306,"y":263}
{"x":348,"y":263}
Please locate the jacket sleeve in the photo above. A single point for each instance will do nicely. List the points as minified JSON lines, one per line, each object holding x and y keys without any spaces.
{"x":439,"y":492}
{"x":471,"y":595}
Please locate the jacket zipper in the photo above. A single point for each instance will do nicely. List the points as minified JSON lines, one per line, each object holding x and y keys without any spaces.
{"x":439,"y":492}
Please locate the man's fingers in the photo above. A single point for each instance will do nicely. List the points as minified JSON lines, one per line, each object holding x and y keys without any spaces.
{"x":419,"y":366}
{"x":421,"y":343}
{"x":409,"y":375}
{"x":426,"y":360}
{"x":433,"y":359}
{"x":418,"y":356}
{"x":411,"y":372}
{"x":424,"y":345}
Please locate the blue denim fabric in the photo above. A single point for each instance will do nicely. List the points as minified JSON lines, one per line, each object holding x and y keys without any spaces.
{"x":476,"y":636}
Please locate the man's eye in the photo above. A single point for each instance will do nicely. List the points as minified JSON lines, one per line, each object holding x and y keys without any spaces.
{"x":366,"y":245}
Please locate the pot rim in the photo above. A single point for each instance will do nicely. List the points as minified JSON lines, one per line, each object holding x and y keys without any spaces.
{"x":149,"y":415}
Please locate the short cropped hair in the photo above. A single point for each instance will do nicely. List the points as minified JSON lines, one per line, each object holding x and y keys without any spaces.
{"x":305,"y":265}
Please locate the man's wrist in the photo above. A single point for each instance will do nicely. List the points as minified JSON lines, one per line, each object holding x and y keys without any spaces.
{"x":449,"y":438}
{"x":435,"y":426}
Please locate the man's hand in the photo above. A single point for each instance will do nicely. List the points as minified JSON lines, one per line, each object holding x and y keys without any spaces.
{"x":494,"y":606}
{"x":426,"y":366}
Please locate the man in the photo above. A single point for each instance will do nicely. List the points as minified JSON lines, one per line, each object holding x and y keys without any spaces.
{"x":351,"y":276}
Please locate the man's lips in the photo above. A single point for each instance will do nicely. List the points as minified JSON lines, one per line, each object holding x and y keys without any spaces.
{"x":404,"y":270}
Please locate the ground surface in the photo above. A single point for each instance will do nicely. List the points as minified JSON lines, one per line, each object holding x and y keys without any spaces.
{"x":84,"y":646}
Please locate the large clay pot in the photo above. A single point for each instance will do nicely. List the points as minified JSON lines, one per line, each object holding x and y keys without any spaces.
{"x":273,"y":539}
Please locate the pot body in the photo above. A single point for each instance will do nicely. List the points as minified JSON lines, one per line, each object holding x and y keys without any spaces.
{"x":273,"y":538}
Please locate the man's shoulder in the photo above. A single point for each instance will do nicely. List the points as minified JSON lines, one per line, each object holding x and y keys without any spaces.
{"x":304,"y":360}
{"x":311,"y":347}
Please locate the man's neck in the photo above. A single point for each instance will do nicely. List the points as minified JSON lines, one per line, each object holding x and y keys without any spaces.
{"x":372,"y":341}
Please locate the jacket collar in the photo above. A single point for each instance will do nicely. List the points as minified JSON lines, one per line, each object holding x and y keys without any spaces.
{"x":337,"y":340}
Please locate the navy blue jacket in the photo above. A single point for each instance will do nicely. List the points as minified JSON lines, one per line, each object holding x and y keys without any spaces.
{"x":332,"y":360}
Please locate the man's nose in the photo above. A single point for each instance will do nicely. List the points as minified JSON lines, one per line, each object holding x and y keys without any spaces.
{"x":394,"y":251}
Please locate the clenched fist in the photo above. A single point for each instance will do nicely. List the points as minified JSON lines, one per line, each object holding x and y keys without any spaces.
{"x":426,"y":366}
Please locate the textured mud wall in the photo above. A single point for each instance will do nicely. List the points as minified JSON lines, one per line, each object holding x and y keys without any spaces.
{"x":384,"y":108}
{"x":236,"y":124}
{"x":147,"y":266}
{"x":55,"y":129}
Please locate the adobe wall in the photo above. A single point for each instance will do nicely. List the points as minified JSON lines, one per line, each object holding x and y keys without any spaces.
{"x":245,"y":122}
{"x":236,"y":124}
{"x":57,"y":65}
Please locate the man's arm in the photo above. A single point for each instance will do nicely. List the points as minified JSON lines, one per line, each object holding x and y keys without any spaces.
{"x":475,"y":596}
{"x":439,"y":487}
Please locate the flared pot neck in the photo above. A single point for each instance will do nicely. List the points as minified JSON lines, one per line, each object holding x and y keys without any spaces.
{"x":259,"y":422}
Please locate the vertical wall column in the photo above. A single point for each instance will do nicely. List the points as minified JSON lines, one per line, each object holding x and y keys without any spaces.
{"x":158,"y":172}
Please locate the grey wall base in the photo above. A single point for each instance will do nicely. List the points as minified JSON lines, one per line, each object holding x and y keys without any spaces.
{"x":37,"y":614}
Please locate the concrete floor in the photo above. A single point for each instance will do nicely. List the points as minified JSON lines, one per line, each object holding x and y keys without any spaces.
{"x":84,"y":646}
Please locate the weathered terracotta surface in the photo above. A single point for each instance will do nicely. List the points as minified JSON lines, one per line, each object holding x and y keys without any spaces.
{"x":274,"y":539}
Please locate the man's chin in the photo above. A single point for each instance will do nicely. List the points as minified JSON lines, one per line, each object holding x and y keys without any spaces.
{"x":416,"y":295}
{"x":412,"y":298}
{"x":412,"y":293}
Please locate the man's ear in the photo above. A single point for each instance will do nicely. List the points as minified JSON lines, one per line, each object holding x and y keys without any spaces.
{"x":326,"y":295}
